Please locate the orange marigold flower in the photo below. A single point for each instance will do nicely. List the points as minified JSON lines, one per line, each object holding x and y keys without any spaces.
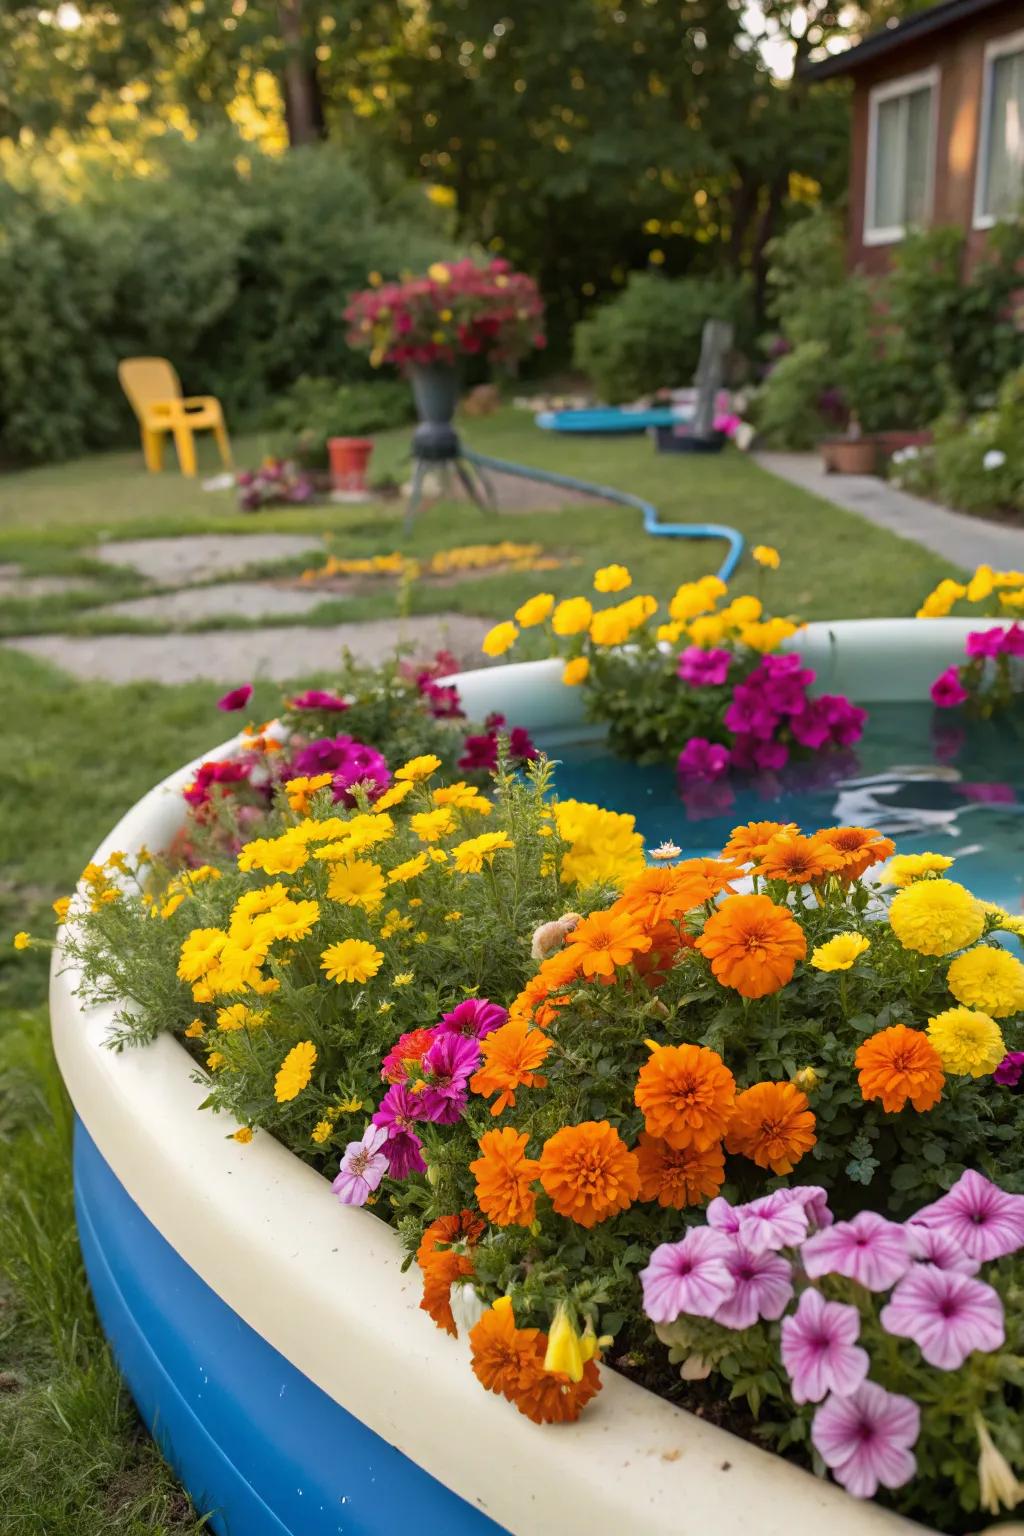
{"x":661,"y":894}
{"x":753,"y":945}
{"x":747,"y":843}
{"x":606,"y":940}
{"x":797,"y":859}
{"x":550,"y":1397}
{"x":898,"y":1064}
{"x":509,"y":1056}
{"x":678,"y":1176}
{"x":859,"y":848}
{"x":441,"y":1262}
{"x":505,"y":1177}
{"x":686,"y":1093}
{"x":536,"y":1001}
{"x":589,"y":1172}
{"x":667,"y":942}
{"x":772,"y":1124}
{"x":502,"y":1355}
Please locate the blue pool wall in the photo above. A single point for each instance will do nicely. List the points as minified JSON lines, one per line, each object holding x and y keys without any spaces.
{"x":257,"y":1444}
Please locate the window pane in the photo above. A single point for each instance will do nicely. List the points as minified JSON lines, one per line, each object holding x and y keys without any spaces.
{"x":1006,"y":136}
{"x":919,"y":132}
{"x":890,"y":130}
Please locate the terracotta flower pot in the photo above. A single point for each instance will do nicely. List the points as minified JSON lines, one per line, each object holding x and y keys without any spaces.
{"x":849,"y":455}
{"x":350,"y":457}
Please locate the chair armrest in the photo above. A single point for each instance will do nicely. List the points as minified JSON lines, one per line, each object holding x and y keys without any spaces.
{"x":195,"y":402}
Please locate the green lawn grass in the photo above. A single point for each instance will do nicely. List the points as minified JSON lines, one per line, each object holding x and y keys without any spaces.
{"x":73,"y":1458}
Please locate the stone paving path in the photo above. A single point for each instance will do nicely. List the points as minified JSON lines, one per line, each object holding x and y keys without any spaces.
{"x":199,"y":556}
{"x":965,"y":541}
{"x":235,"y":656}
{"x":225,"y":599}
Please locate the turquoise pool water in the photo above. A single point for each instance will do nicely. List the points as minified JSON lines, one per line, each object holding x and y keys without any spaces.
{"x":932,"y":783}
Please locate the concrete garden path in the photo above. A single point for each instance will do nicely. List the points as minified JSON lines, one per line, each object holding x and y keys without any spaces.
{"x":965,"y":541}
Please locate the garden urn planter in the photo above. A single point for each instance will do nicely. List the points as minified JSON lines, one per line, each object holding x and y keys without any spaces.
{"x":435,"y":389}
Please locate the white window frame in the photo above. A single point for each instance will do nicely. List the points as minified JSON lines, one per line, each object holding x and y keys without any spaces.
{"x":997,"y":48}
{"x":904,"y":85}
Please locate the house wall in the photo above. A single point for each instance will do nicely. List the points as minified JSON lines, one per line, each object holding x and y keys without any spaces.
{"x":959,"y":52}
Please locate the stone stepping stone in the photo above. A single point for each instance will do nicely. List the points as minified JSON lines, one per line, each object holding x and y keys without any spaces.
{"x":239,"y":655}
{"x":23,"y":588}
{"x":234,"y":599}
{"x":196,"y":557}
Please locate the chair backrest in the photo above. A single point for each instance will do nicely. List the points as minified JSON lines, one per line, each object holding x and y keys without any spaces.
{"x":147,"y":379}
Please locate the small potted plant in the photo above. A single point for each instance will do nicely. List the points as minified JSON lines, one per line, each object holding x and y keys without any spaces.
{"x":456,"y":309}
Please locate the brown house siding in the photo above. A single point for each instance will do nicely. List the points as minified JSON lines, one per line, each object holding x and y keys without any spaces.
{"x":959,"y":54}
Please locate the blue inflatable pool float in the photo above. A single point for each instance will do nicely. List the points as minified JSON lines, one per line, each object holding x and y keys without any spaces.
{"x":606,"y":418}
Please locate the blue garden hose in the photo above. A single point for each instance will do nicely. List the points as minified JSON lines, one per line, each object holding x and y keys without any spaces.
{"x":657,"y":529}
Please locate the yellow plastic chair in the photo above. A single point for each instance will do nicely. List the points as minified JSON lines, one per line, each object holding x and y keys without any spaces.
{"x":154,"y":391}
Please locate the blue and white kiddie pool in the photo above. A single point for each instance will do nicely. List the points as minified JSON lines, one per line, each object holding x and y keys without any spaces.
{"x":277,"y":1351}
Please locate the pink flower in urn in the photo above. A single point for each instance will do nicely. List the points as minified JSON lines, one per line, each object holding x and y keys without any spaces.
{"x":983,"y":1219}
{"x":985,"y":642}
{"x":1013,"y":641}
{"x":763,"y":1288}
{"x":947,"y":690}
{"x":703,"y":759}
{"x":316,"y":698}
{"x":948,"y":1315}
{"x":866,"y":1438}
{"x":868,"y":1249}
{"x":703,"y":669}
{"x":238,"y":698}
{"x":820,"y":1349}
{"x":689,"y":1276}
{"x":362,"y":1167}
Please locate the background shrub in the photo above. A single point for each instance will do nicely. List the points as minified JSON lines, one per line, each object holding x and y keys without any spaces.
{"x":315,"y":409}
{"x":649,"y":335}
{"x":237,"y":270}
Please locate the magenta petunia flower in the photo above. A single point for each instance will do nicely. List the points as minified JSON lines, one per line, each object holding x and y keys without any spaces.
{"x":350,"y":762}
{"x":723,"y":1216}
{"x":812,"y":727}
{"x":474,"y":1018}
{"x":316,"y":698}
{"x":868,"y":1249}
{"x":985,"y":642}
{"x":238,"y":698}
{"x":820,"y":1349}
{"x":867,"y":1438}
{"x":947,"y":1315}
{"x":930,"y":1245}
{"x":749,"y":715}
{"x":1013,"y":641}
{"x":764,"y":1288}
{"x":947,"y":690}
{"x":983,"y":1219}
{"x":689,"y":1276}
{"x":751,"y":755}
{"x":702,"y":759}
{"x":362,"y":1167}
{"x":479,"y":753}
{"x":1010,"y":1069}
{"x":703,"y":669}
{"x":447,"y":1067}
{"x":229,"y":771}
{"x":774,"y":1221}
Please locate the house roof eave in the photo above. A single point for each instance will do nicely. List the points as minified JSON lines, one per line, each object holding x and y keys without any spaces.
{"x":948,"y":13}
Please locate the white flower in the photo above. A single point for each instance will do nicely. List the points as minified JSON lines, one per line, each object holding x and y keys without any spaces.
{"x":995,"y":458}
{"x":467,"y":1308}
{"x":998,"y":1487}
{"x":900,"y":456}
{"x":666,"y":851}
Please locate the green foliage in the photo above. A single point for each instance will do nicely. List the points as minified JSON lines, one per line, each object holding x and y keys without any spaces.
{"x":237,"y":269}
{"x":975,"y":463}
{"x":788,"y":407}
{"x":317,"y":408}
{"x":649,"y":336}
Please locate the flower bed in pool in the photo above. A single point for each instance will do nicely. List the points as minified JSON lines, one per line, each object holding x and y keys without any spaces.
{"x":321,"y":1399}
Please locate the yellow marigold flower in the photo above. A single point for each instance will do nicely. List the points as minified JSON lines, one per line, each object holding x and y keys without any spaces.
{"x":409,"y":870}
{"x":463,"y":797}
{"x":239,"y":961}
{"x":765,"y":555}
{"x":612,"y":578}
{"x":981,"y":584}
{"x":500,"y":638}
{"x":604,"y":846}
{"x":572,"y":616}
{"x":195,"y":1030}
{"x":438,"y":272}
{"x":1003,"y":921}
{"x":431,"y":826}
{"x":421,"y":937}
{"x":264,"y":985}
{"x":393,"y":796}
{"x":61,"y":908}
{"x":970,"y":1043}
{"x":1012,"y":599}
{"x":357,"y":883}
{"x":274,"y":855}
{"x":988,"y":978}
{"x":295,"y":1071}
{"x":439,"y":855}
{"x":202,"y":992}
{"x":263,"y":900}
{"x":806,"y":1079}
{"x":938,"y":603}
{"x":238,"y":1016}
{"x":200,"y":952}
{"x":535,"y":610}
{"x":708,"y":630}
{"x":291,"y":920}
{"x":22,"y":940}
{"x":575,"y":671}
{"x":351,"y":960}
{"x":312,"y":831}
{"x":321,"y":1132}
{"x":215,"y":1060}
{"x":907,"y":867}
{"x":350,"y":1106}
{"x":936,"y":917}
{"x":742,"y":610}
{"x":688,"y":601}
{"x":469,"y":856}
{"x":301,"y":790}
{"x":611,"y":626}
{"x":197,"y":876}
{"x":243,"y":1135}
{"x":670,"y":633}
{"x":767,"y":636}
{"x":402,"y":979}
{"x":169,"y":906}
{"x":364,"y":831}
{"x":713,"y":588}
{"x":418,"y":768}
{"x":452,"y":917}
{"x":840,"y":953}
